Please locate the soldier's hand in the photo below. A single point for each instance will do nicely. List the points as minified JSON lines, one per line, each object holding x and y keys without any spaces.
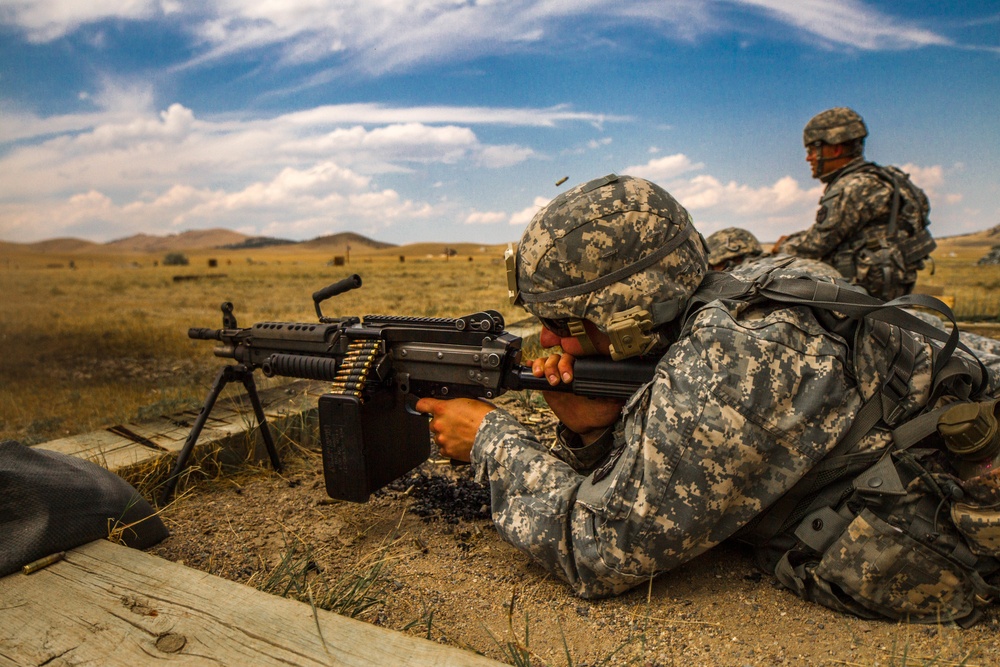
{"x":582,"y":415}
{"x":454,"y":423}
{"x":556,"y":368}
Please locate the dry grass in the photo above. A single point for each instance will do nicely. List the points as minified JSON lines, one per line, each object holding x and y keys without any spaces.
{"x":106,"y":342}
{"x":976,"y":288}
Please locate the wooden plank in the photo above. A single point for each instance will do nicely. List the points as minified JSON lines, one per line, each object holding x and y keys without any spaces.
{"x":163,"y":432}
{"x":118,"y":447}
{"x":104,"y":448}
{"x":108,"y":605}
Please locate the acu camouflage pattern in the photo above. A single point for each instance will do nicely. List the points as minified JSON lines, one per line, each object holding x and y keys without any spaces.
{"x":597,"y":228}
{"x":741,"y":407}
{"x":977,"y":516}
{"x":853,"y":234}
{"x":899,"y":556}
{"x":730,"y":246}
{"x":986,"y":348}
{"x":834,"y":126}
{"x":750,"y":399}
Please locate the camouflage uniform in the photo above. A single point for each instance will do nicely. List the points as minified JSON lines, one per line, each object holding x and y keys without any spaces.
{"x":853,"y":230}
{"x":733,"y":247}
{"x":745,"y":401}
{"x":730,"y":246}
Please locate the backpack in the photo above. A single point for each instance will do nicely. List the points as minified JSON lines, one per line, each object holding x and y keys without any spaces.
{"x":894,"y":532}
{"x":885,"y":257}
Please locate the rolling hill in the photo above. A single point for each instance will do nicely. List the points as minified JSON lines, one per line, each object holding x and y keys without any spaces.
{"x":203,"y":239}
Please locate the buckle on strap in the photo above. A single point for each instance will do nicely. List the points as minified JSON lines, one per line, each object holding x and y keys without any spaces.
{"x":578,"y":331}
{"x":627,"y":331}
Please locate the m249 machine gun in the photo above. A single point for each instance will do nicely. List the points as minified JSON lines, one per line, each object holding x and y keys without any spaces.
{"x":377,"y":367}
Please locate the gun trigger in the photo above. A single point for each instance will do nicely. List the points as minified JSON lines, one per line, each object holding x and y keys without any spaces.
{"x":409,"y":404}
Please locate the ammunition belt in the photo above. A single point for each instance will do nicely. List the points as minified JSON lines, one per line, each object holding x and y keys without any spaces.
{"x":353,"y":371}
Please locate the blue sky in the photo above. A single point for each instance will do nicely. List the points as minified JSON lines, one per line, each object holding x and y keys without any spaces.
{"x":452,"y":120}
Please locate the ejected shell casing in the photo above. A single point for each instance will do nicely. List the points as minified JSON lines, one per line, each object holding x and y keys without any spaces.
{"x":43,"y":563}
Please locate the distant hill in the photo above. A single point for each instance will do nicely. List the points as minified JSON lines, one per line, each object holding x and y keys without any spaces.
{"x":190,"y":240}
{"x":356,"y":241}
{"x":61,"y":245}
{"x":986,"y":237}
{"x":202,"y":239}
{"x":257,"y":242}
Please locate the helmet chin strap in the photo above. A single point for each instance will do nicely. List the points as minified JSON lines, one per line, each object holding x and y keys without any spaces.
{"x":578,"y":331}
{"x":820,"y":158}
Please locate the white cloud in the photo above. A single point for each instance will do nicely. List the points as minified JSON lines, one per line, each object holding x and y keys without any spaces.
{"x":381,"y":36}
{"x":295,"y":203}
{"x":664,"y":168}
{"x":486,"y":217}
{"x":849,"y":23}
{"x":928,"y":178}
{"x":411,"y":142}
{"x":504,"y":156}
{"x":46,"y":20}
{"x":524,"y":216}
{"x":125,"y":152}
{"x":380,"y":114}
{"x":706,"y":192}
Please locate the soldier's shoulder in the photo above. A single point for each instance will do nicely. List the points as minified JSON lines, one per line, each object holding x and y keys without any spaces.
{"x":865,"y":175}
{"x":785,"y":266}
{"x":860,"y":184}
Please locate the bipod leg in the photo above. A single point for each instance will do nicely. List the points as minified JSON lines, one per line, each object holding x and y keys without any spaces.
{"x":224,"y":377}
{"x":258,"y":409}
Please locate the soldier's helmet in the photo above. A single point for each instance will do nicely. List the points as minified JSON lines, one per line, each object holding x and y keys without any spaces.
{"x":618,"y":251}
{"x":834,"y":126}
{"x":731,"y":246}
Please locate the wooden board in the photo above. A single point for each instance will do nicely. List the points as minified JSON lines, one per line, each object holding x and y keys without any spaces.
{"x":118,"y":447}
{"x":109,"y":605}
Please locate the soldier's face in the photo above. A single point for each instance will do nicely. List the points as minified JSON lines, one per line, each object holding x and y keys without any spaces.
{"x":825,"y":158}
{"x":813,"y":155}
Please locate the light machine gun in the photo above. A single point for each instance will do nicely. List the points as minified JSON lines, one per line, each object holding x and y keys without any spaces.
{"x":378,"y":366}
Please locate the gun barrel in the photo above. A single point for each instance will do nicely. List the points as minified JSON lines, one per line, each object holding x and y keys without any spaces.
{"x":199,"y":333}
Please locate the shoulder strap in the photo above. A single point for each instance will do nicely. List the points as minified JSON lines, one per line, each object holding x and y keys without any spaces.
{"x":857,"y":304}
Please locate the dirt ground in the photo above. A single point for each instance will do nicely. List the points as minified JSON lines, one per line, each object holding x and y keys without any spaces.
{"x":443,"y":573}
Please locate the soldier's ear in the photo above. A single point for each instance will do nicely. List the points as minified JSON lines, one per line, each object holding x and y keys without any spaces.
{"x":838,"y":150}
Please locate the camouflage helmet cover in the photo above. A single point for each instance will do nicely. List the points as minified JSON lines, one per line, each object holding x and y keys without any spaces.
{"x":732,"y":243}
{"x":834,"y":126}
{"x":606,"y":246}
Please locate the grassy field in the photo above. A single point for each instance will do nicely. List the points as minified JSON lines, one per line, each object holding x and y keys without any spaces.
{"x":976,"y":288}
{"x":105,"y":342}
